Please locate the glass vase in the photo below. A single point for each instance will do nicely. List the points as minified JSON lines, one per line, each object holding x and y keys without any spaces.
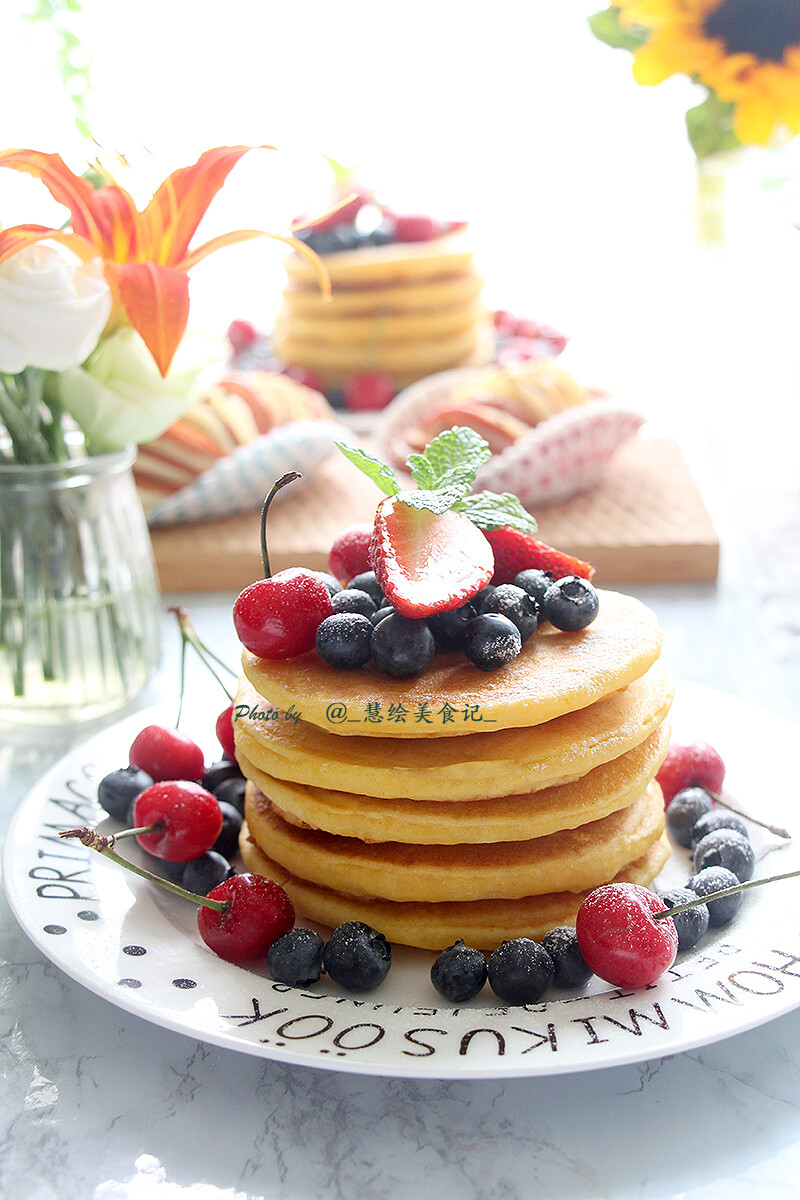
{"x":80,"y":625}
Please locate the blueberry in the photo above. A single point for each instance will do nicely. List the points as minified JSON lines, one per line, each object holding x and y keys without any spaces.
{"x":204,"y":873}
{"x":345,"y":237}
{"x":357,"y":957}
{"x":520,"y":971}
{"x":385,"y":610}
{"x":448,"y":627}
{"x":459,"y":972}
{"x":726,"y":848}
{"x":570,"y":966}
{"x":330,"y":581}
{"x":354,"y":600}
{"x":228,"y":841}
{"x":383,"y":235}
{"x":296,"y":957}
{"x":717,"y":819}
{"x":218,"y":773}
{"x":231,"y":791}
{"x":571,"y":603}
{"x":534,"y":582}
{"x":117,"y":791}
{"x":366,"y":582}
{"x":402,"y":647}
{"x":514,"y":603}
{"x":343,"y":640}
{"x":714,"y":879}
{"x":491,"y":641}
{"x":690,"y":925}
{"x":685,"y":810}
{"x":479,"y":599}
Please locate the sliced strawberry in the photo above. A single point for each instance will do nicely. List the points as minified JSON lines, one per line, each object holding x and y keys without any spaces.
{"x":515,"y":551}
{"x":427,"y":563}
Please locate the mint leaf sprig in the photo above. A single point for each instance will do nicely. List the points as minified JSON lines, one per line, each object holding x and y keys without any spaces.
{"x":444,"y":474}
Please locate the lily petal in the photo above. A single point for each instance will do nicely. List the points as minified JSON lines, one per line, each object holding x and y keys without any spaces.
{"x":19,"y":236}
{"x":180,"y":203}
{"x":156,"y":300}
{"x":64,"y":186}
{"x":245,"y":235}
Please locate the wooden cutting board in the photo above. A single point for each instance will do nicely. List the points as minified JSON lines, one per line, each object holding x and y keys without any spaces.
{"x":644,"y":523}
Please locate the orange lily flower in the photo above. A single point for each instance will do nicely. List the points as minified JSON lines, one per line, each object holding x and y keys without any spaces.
{"x":146,"y":254}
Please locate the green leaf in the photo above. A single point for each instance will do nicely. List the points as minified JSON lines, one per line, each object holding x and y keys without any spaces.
{"x":450,"y":460}
{"x":710,"y":126}
{"x":377,"y":471}
{"x":438,"y":501}
{"x":606,"y":28}
{"x":488,"y":510}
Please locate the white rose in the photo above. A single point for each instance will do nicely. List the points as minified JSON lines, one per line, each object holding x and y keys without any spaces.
{"x":53,"y":308}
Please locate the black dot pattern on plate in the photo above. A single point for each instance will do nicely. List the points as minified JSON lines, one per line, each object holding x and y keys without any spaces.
{"x":55,"y":929}
{"x":134,"y":951}
{"x":130,"y":983}
{"x":88,"y":915}
{"x":184,"y":984}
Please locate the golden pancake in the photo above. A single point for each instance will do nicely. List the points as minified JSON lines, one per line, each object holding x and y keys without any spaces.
{"x":373,"y":329}
{"x":555,"y":673}
{"x":470,"y":767}
{"x":411,"y":355}
{"x":607,"y":788}
{"x":481,"y":923}
{"x":428,"y":296}
{"x":397,"y":262}
{"x":569,"y":860}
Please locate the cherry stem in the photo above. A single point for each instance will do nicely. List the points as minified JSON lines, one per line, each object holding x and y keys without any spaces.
{"x":105,"y":846}
{"x":777,"y":830}
{"x":189,"y":638}
{"x":289,"y":477}
{"x":728,"y":891}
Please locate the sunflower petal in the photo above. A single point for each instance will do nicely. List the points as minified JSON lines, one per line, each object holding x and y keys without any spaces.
{"x":156,"y":300}
{"x":180,"y":203}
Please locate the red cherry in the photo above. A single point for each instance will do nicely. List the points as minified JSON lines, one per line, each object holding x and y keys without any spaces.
{"x":619,"y":938}
{"x":302,"y":375}
{"x":349,"y":554}
{"x":279,"y":617}
{"x":224,"y":728}
{"x":241,"y":334}
{"x":189,"y":816}
{"x":166,"y":754}
{"x":259,"y":911}
{"x":368,"y":392}
{"x":416,"y":227}
{"x":695,"y":764}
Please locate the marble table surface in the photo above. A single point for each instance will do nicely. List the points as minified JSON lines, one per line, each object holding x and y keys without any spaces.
{"x":100,"y":1105}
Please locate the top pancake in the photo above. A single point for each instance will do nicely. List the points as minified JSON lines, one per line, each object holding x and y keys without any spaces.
{"x":439,"y":258}
{"x":555,"y":673}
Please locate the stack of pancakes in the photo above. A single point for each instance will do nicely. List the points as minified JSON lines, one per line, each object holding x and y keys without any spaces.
{"x":405,"y":310}
{"x":460,"y":804}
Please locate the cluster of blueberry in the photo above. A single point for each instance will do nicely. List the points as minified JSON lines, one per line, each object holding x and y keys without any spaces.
{"x":722,"y":856}
{"x":386,"y":229}
{"x":489,"y":629}
{"x":118,"y":791}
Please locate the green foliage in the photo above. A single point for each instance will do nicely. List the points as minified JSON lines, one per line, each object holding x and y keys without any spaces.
{"x":450,"y":460}
{"x":381,"y":475}
{"x":607,"y":28}
{"x":71,"y":59}
{"x":710,"y":126}
{"x":488,"y":510}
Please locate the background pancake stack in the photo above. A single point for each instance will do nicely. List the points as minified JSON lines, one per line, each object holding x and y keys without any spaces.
{"x":405,"y":310}
{"x":492,"y":822}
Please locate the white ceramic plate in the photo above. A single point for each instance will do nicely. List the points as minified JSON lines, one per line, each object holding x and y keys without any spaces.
{"x":137,"y":946}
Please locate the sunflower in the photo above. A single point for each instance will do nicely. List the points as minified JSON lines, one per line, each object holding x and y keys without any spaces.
{"x":745,"y":51}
